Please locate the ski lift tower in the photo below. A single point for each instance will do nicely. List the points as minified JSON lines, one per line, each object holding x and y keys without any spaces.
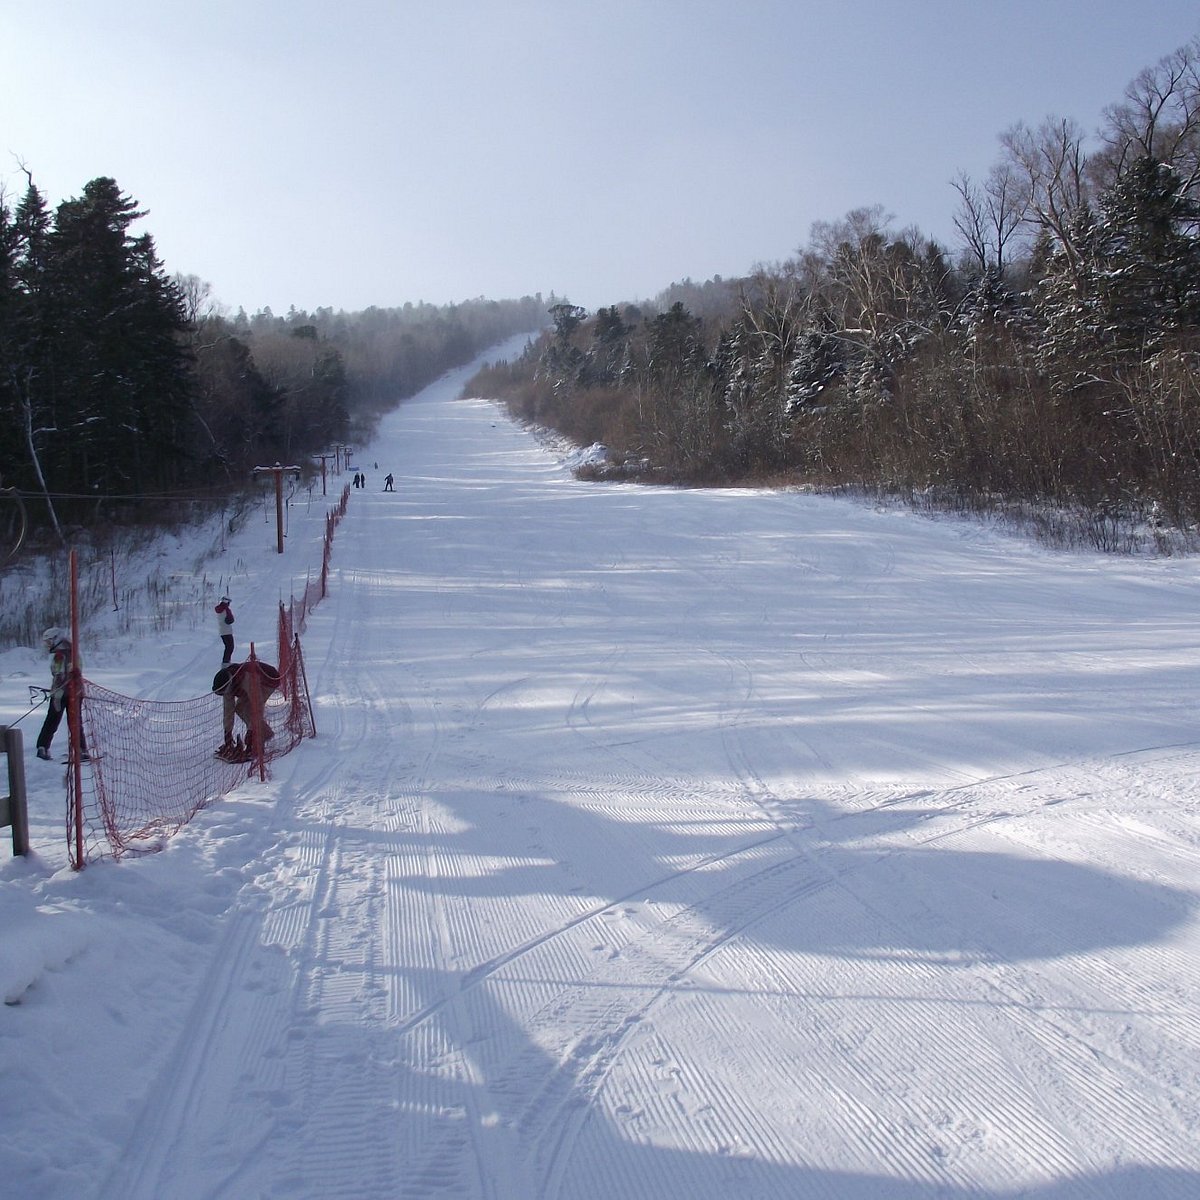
{"x":324,"y":459}
{"x":278,"y":472}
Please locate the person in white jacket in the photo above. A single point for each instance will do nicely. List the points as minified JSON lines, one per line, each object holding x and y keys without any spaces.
{"x":225,"y":627}
{"x":62,"y":670}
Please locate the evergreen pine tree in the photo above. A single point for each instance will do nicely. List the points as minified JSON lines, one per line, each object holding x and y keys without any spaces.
{"x":1150,"y":276}
{"x":122,"y":380}
{"x":27,"y":373}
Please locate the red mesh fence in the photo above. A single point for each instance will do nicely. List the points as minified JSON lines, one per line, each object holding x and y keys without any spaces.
{"x":153,"y":763}
{"x":293,"y":618}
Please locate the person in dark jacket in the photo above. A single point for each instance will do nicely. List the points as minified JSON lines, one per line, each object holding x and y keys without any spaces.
{"x":244,"y":689}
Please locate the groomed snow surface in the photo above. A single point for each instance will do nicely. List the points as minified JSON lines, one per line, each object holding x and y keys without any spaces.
{"x":655,"y":843}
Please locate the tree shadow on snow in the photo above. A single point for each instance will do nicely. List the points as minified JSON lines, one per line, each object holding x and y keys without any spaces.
{"x":912,"y":898}
{"x":908,"y":904}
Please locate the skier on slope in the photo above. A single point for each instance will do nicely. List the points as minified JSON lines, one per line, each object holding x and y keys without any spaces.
{"x":244,"y":688}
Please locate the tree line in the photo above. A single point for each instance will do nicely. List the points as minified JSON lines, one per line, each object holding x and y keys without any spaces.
{"x":1055,"y":358}
{"x":124,"y":390}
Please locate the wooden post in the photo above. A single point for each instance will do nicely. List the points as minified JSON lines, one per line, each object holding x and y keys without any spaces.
{"x":324,"y":460}
{"x":279,"y":508}
{"x":277,"y":471}
{"x":14,"y":809}
{"x":256,"y":729}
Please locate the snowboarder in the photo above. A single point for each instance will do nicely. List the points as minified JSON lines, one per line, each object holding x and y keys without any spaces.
{"x":387,"y":483}
{"x":244,"y":688}
{"x":58,"y":646}
{"x":224,"y":630}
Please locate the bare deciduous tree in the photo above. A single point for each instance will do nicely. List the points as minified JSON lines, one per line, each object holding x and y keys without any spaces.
{"x":1051,"y":164}
{"x":1158,"y":118}
{"x":989,"y":216}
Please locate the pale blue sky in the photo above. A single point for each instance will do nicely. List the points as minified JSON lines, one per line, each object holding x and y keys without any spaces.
{"x":364,"y":152}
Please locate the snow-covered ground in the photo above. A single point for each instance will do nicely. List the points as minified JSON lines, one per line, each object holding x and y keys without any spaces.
{"x":655,"y":843}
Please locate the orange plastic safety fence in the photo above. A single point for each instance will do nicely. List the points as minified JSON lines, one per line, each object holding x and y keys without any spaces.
{"x":153,"y":763}
{"x":293,"y":618}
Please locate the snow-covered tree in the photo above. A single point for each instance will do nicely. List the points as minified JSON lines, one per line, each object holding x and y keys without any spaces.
{"x":1149,"y":234}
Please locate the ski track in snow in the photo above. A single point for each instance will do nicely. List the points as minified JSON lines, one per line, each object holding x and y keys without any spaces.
{"x":701,"y":844}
